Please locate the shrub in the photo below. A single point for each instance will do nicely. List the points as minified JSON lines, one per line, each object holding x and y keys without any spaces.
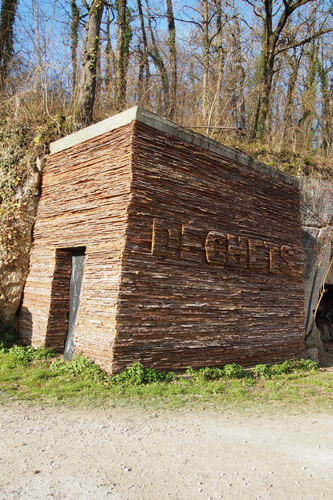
{"x":262,"y":371}
{"x":236,"y":371}
{"x":79,"y":365}
{"x":137,"y":374}
{"x":205,"y":373}
{"x":20,"y":355}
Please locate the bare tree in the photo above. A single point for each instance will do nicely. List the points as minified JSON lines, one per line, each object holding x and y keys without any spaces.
{"x":74,"y":43}
{"x":124,"y":37}
{"x":276,"y":15}
{"x":7,"y":19}
{"x":158,"y":61}
{"x":144,"y":72}
{"x":293,"y":61}
{"x":85,"y":104}
{"x":324,"y":68}
{"x":109,"y":57}
{"x":173,"y":57}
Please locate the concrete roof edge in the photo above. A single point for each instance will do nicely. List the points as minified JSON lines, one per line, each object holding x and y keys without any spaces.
{"x":167,"y":126}
{"x":85,"y":134}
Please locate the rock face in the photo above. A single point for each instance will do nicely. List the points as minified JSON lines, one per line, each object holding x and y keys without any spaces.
{"x":15,"y":244}
{"x":317,"y":233}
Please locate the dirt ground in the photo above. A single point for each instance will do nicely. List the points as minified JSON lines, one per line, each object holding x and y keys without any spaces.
{"x":130,"y":454}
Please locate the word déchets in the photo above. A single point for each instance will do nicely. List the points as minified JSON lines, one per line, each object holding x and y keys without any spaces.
{"x":196,"y":244}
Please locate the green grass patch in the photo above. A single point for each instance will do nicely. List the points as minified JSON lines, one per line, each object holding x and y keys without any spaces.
{"x":38,"y":375}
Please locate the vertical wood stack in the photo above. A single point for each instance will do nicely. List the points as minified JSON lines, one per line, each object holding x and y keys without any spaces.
{"x":84,"y":200}
{"x":193,"y":253}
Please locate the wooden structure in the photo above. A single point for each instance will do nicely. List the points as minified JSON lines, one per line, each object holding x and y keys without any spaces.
{"x":193,"y":250}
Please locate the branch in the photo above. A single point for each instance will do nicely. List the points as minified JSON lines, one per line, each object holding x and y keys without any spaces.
{"x":254,"y":10}
{"x":221,"y":28}
{"x":189,"y":21}
{"x":303,"y":42}
{"x":250,"y":27}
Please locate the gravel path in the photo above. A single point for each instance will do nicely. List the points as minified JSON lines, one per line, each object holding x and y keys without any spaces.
{"x":123,"y":454}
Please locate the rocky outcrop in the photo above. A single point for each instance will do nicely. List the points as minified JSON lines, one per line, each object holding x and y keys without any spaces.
{"x":317,"y":234}
{"x":17,"y":219}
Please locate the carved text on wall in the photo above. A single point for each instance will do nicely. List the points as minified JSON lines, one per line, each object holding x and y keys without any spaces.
{"x":196,"y":244}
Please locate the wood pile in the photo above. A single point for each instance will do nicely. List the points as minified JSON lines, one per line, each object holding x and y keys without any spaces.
{"x":192,"y":259}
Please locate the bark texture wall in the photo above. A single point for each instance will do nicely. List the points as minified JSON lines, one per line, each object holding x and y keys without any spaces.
{"x":213,"y":265}
{"x":85,"y":194}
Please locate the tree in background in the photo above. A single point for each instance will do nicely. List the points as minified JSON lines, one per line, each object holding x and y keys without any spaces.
{"x":121,"y":53}
{"x":240,"y":71}
{"x":74,"y":44}
{"x":144,"y":70}
{"x":173,"y":57}
{"x":280,"y":34}
{"x":7,"y":19}
{"x":85,"y":103}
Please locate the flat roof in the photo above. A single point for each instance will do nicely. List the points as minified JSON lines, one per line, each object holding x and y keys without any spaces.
{"x":137,"y":113}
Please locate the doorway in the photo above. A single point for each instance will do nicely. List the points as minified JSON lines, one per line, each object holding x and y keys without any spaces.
{"x":75,"y":288}
{"x":65,"y":300}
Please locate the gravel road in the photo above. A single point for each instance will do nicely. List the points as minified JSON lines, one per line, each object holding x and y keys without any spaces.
{"x":124,"y":454}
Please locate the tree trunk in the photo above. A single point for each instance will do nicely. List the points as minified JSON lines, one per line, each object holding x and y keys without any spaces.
{"x":74,"y":44}
{"x":287,"y":119}
{"x":120,"y":57}
{"x":220,"y":55}
{"x":326,"y":100}
{"x":307,"y":121}
{"x":241,"y":75}
{"x":98,"y":89}
{"x":173,"y":57}
{"x":159,"y":63}
{"x":206,"y":46}
{"x":84,"y":108}
{"x":144,"y":73}
{"x":7,"y":19}
{"x":266,"y":87}
{"x":109,"y":66}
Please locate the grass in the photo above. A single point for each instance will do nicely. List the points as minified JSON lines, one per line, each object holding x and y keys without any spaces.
{"x":40,"y":377}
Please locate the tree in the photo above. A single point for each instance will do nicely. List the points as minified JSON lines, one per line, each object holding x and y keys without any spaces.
{"x":173,"y":57}
{"x":324,"y":68}
{"x":276,"y":16}
{"x":144,"y":72}
{"x":75,"y":38}
{"x":7,"y":19}
{"x":85,"y":104}
{"x":293,"y":61}
{"x":124,"y":38}
{"x":158,"y":61}
{"x":109,"y":58}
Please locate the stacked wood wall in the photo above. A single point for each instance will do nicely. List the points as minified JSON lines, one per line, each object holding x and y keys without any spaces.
{"x":85,"y":194}
{"x":191,"y":259}
{"x":213,"y":267}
